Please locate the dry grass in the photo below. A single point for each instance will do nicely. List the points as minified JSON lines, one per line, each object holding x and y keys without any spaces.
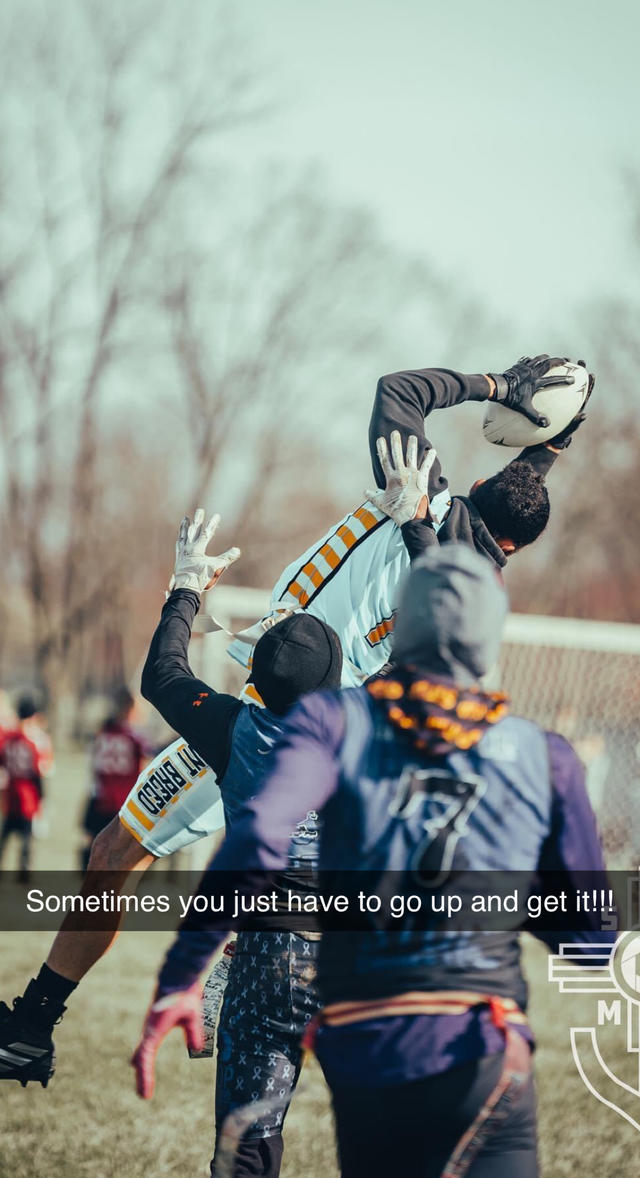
{"x":89,"y":1124}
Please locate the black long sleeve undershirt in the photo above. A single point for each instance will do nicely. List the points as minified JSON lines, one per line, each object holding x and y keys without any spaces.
{"x":203,"y":716}
{"x":419,"y":536}
{"x":402,"y":402}
{"x":404,"y":399}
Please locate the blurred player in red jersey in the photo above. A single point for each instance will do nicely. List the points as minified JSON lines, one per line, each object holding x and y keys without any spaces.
{"x":117,"y":757}
{"x":21,"y":758}
{"x":36,"y":730}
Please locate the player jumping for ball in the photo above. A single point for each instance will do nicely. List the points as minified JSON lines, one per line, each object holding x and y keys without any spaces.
{"x":349,"y":580}
{"x":425,"y":788}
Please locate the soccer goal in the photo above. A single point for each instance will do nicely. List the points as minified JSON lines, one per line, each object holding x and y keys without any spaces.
{"x":579,"y":678}
{"x":582,"y":679}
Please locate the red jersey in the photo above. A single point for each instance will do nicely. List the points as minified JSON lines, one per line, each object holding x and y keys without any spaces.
{"x":21,"y":760}
{"x":40,"y":737}
{"x":116,"y":758}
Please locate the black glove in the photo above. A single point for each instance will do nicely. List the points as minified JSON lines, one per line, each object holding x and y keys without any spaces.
{"x":515,"y":387}
{"x":565,"y":437}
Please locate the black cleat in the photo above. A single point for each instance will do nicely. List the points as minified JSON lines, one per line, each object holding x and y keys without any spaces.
{"x":26,"y":1045}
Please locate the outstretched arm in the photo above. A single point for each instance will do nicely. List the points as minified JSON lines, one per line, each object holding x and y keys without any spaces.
{"x":200,"y":714}
{"x":404,"y":399}
{"x":168,"y":682}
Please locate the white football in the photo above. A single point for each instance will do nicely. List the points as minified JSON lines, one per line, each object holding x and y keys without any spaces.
{"x":560,"y":403}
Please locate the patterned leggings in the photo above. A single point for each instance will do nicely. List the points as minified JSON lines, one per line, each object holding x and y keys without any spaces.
{"x":269,"y":1000}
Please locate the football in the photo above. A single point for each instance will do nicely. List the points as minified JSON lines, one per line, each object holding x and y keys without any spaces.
{"x":560,"y":404}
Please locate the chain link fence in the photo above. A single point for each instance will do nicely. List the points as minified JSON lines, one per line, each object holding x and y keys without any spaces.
{"x":582,"y":679}
{"x":579,"y":678}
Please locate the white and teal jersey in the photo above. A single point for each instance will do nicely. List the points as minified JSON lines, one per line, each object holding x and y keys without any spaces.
{"x":175,"y":801}
{"x":350,"y":580}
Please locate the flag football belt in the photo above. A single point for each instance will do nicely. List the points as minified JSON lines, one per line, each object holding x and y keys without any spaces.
{"x":504,"y":1011}
{"x":498,"y":1106}
{"x":516,"y":1064}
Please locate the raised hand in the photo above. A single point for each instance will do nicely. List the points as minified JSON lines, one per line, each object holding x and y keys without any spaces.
{"x":193,"y":568}
{"x":406,"y":492}
{"x":516,"y":387}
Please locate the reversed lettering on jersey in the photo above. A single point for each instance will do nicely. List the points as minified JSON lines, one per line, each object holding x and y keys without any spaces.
{"x":169,"y":778}
{"x":191,"y":760}
{"x":381,"y":630}
{"x":333,"y":552}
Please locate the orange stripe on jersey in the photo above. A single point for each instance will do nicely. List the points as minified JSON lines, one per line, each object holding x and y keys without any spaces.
{"x":296,"y":590}
{"x":330,"y":555}
{"x":313,"y":574}
{"x":310,"y":579}
{"x":347,"y":536}
{"x":142,"y":818}
{"x":366,"y":517}
{"x":380,"y":631}
{"x":250,"y":690}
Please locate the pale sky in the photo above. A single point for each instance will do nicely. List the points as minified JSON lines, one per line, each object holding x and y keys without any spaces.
{"x":488,"y":136}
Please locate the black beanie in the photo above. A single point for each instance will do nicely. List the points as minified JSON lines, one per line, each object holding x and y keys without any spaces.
{"x":26,"y":707}
{"x":296,"y":656}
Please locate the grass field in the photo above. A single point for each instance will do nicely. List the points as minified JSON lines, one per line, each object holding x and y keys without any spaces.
{"x":89,"y":1123}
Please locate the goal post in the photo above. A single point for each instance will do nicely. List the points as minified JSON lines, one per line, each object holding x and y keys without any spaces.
{"x":582,"y":679}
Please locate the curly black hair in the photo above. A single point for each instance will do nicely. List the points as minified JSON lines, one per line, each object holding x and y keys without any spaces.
{"x":514,"y":504}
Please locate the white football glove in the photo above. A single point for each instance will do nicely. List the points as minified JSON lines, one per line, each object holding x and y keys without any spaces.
{"x":193,"y":568}
{"x":406,"y":485}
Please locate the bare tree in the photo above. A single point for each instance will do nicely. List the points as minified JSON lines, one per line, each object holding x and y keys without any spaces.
{"x":279,"y":333}
{"x":86,"y":194}
{"x":588,"y":563}
{"x":171,"y":330}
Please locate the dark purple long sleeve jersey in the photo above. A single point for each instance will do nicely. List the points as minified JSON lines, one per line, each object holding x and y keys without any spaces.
{"x":304,"y":775}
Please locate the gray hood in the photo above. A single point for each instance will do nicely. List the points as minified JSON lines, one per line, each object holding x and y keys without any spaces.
{"x":451,"y":615}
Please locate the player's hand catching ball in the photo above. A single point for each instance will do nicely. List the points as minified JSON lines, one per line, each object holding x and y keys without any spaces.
{"x":193,"y":568}
{"x":516,"y":387}
{"x":182,"y":1008}
{"x":564,"y":439}
{"x":406,"y":493}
